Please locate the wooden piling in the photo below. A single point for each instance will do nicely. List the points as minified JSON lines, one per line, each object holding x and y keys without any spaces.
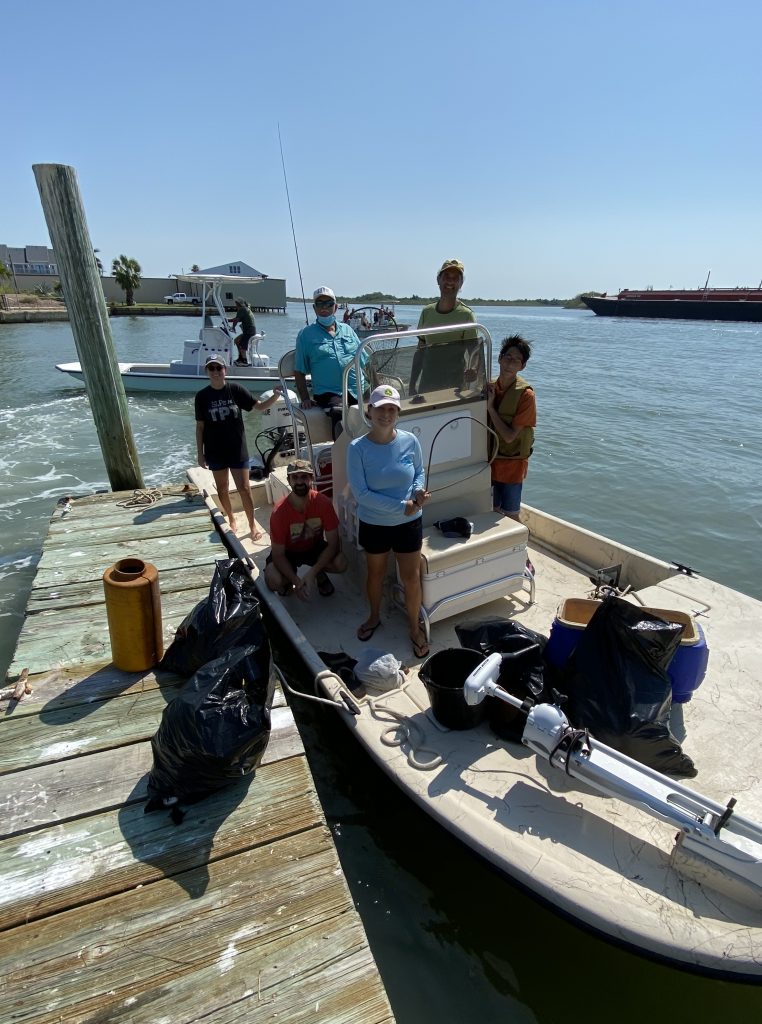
{"x":65,"y":216}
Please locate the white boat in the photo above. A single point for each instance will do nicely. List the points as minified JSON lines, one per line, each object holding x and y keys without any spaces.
{"x":667,"y":869}
{"x":187,"y":374}
{"x":368,"y":320}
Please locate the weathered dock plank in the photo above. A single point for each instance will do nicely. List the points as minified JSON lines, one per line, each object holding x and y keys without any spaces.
{"x":81,"y":684}
{"x":77,"y":729}
{"x":83,"y":593}
{"x":107,"y":913}
{"x":50,"y":640}
{"x":88,"y":562}
{"x":270,"y":935}
{"x":92,"y":858}
{"x":52,"y":793}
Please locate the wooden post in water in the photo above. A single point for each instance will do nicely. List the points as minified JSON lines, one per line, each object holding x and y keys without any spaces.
{"x":65,"y":216}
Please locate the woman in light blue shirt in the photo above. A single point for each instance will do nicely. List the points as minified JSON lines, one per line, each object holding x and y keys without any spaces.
{"x":385,"y":471}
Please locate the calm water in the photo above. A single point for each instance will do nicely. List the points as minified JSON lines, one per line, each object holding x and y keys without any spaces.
{"x":649,"y":432}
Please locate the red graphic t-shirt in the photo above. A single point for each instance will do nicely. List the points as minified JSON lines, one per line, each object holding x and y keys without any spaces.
{"x":298,"y":531}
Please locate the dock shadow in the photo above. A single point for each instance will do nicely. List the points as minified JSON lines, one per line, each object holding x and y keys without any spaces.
{"x":182,"y":852}
{"x":180,"y":505}
{"x":86,"y":695}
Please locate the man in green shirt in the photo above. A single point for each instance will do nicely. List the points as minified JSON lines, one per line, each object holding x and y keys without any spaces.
{"x":245,"y":318}
{"x":447,"y":310}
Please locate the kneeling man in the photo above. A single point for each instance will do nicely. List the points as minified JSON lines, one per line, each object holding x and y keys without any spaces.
{"x":304,"y":530}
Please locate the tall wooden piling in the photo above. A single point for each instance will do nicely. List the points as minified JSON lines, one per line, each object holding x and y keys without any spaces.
{"x":65,"y":216}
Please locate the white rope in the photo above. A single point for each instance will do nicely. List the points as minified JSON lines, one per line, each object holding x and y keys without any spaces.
{"x":405,"y":726}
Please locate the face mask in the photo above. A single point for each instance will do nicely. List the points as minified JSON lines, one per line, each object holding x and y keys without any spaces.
{"x":327,"y":321}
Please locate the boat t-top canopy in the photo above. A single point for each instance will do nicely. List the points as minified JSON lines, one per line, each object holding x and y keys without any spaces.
{"x":218,"y":278}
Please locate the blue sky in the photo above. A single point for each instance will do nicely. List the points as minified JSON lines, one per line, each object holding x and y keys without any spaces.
{"x":553,"y":147}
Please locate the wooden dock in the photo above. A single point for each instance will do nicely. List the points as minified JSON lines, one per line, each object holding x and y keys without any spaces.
{"x":239,"y":913}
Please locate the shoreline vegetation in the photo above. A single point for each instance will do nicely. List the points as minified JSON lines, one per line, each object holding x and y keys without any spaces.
{"x":31,"y":308}
{"x":378,"y":298}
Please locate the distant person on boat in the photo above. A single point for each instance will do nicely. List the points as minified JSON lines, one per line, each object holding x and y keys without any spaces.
{"x":386,"y":473}
{"x":304,"y":530}
{"x":447,"y":310}
{"x":323,"y":349}
{"x":513,"y":416}
{"x":221,"y":437}
{"x":245,"y":318}
{"x":347,"y":315}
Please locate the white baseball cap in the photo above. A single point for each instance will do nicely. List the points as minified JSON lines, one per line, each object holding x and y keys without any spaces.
{"x":384,"y":394}
{"x":327,"y":292}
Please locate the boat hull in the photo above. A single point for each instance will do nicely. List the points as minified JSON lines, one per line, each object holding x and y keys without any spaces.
{"x":158,"y":378}
{"x":741,"y":310}
{"x":606,"y":865}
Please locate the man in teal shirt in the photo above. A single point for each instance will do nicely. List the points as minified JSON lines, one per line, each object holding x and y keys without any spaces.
{"x":323,"y":349}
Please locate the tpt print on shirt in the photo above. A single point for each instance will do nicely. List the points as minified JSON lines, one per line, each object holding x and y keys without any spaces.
{"x":221,"y":408}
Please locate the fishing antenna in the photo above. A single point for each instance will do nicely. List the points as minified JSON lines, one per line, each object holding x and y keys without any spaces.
{"x":293,"y":232}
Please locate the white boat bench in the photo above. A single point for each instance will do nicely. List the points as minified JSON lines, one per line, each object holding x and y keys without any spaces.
{"x":461,"y":573}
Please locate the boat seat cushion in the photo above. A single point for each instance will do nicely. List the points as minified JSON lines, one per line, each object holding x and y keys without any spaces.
{"x":492,"y":534}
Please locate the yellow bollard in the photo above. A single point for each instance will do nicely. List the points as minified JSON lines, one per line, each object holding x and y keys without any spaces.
{"x":133,"y":607}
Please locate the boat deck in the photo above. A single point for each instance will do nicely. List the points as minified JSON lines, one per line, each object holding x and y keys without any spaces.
{"x":595,"y":858}
{"x":239,"y":912}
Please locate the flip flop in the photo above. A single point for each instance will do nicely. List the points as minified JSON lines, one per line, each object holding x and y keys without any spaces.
{"x":324,"y":585}
{"x":420,"y":650}
{"x":364,"y":633}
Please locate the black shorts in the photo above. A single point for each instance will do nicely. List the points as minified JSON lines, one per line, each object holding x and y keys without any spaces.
{"x":326,"y":399}
{"x":402,"y":539}
{"x":308,"y":557}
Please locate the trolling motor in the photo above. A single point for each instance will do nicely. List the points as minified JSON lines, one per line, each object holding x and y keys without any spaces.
{"x":707,"y":829}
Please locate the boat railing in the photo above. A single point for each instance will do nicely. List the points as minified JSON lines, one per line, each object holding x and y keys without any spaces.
{"x":390,"y":340}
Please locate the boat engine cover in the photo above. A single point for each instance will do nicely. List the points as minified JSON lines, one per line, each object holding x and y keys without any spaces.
{"x":546,"y":724}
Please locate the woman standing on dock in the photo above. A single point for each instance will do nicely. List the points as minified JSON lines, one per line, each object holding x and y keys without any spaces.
{"x":221,"y":438}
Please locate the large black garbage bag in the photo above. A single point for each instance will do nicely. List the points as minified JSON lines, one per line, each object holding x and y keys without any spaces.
{"x":215,"y":730}
{"x":524,"y":675}
{"x":228,"y":617}
{"x":618,"y":685}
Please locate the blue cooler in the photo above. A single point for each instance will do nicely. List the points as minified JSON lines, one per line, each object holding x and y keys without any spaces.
{"x":686,"y":670}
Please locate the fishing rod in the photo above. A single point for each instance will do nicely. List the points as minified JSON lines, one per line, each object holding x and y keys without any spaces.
{"x":293,"y":232}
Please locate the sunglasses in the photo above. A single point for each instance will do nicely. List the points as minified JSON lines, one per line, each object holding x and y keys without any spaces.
{"x":214,"y":368}
{"x":324,"y":303}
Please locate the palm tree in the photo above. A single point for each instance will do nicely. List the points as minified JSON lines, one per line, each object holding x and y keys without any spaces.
{"x":195,"y":268}
{"x":98,"y":263}
{"x":126,"y":272}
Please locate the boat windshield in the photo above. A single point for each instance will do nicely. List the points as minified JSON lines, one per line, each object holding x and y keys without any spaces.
{"x":439,"y":372}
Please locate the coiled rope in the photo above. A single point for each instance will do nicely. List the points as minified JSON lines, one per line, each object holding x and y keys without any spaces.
{"x":140,"y":499}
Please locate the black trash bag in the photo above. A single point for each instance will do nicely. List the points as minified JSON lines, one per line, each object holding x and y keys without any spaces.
{"x":618,"y":685}
{"x":228,"y":617}
{"x":524,"y":675}
{"x":215,"y":730}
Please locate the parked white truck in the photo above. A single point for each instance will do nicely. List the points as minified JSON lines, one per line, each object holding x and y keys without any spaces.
{"x":182,"y":297}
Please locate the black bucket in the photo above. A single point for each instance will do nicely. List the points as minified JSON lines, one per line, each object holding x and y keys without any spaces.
{"x":443,"y":675}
